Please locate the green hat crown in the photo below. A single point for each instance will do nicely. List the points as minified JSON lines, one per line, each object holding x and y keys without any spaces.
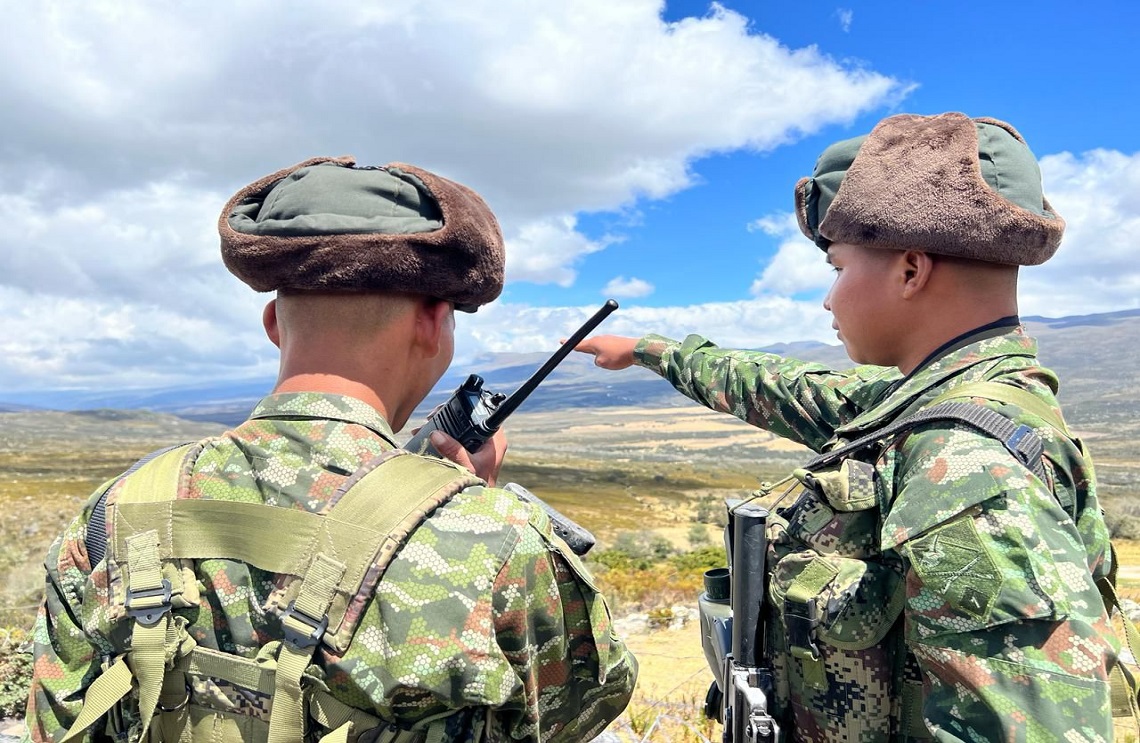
{"x":327,"y":225}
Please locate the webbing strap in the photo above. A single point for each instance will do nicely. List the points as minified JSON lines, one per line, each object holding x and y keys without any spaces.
{"x":277,"y":540}
{"x":148,"y":601}
{"x":1124,"y":687}
{"x":244,"y":672}
{"x":1021,"y":441}
{"x":304,"y":623}
{"x":1009,"y":394}
{"x":801,"y":617}
{"x":156,"y":479}
{"x":342,"y":720}
{"x":95,"y":537}
{"x":104,"y":693}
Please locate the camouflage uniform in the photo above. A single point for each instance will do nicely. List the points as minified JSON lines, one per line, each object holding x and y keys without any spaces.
{"x":996,"y":603}
{"x":484,"y":614}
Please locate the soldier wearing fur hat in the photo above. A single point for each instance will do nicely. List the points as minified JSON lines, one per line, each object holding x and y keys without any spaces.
{"x":928,"y":578}
{"x":301,"y":577}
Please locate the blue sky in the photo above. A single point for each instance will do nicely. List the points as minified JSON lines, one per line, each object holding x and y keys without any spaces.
{"x":636,"y":149}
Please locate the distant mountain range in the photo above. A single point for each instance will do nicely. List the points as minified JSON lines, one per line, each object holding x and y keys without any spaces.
{"x":1093,"y":354}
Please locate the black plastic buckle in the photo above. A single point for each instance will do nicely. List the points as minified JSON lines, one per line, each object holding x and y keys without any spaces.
{"x":316,"y":627}
{"x":801,"y":619}
{"x":151,"y":613}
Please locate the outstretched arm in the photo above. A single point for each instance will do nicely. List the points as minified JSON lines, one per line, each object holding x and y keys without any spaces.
{"x":614,"y":352}
{"x":801,"y":401}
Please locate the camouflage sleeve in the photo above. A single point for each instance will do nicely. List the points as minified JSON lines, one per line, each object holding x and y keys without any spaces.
{"x":798,"y":400}
{"x":1002,"y":612}
{"x":555,"y":629}
{"x":65,"y":660}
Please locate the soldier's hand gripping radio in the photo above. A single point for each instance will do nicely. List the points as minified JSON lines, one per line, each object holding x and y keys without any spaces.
{"x":732,"y":632}
{"x":472,"y":415}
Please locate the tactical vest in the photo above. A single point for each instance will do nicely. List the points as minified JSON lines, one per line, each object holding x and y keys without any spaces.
{"x":834,"y":600}
{"x":165,"y":687}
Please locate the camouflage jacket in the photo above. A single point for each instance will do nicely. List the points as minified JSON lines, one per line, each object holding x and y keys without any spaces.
{"x":484,"y":613}
{"x":998,"y":610}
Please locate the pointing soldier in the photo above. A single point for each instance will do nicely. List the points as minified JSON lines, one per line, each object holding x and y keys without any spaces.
{"x":302,"y":577}
{"x":930,"y":584}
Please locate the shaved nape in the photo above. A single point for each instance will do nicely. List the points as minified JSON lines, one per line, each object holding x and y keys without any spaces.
{"x":352,"y":314}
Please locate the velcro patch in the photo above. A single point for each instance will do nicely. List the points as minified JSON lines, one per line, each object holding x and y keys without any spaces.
{"x":952,"y":562}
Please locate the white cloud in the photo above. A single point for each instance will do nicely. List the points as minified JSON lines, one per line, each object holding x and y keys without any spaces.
{"x":544,"y":250}
{"x":127,"y":124}
{"x":798,"y":266}
{"x":1095,"y":270}
{"x":546,"y":109}
{"x":54,"y":341}
{"x":845,"y":16}
{"x":741,"y":324}
{"x":620,"y":286}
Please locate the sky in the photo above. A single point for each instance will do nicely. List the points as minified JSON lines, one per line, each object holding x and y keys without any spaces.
{"x":634,"y":149}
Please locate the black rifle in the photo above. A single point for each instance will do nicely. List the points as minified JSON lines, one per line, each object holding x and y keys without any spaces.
{"x":743,"y":692}
{"x":472,"y":415}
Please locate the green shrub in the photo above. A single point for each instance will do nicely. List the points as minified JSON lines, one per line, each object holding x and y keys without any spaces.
{"x":15,"y":671}
{"x":698,"y":536}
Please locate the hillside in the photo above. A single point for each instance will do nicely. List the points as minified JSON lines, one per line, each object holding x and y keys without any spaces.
{"x":1095,"y":356}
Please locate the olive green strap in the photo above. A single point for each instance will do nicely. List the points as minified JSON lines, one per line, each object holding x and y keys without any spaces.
{"x":304,"y":624}
{"x":400,"y":486}
{"x":911,"y":721}
{"x":271,"y":538}
{"x":1123,"y":683}
{"x":148,"y":602}
{"x":1010,"y":395}
{"x":156,"y":480}
{"x":801,"y":617}
{"x":104,"y":693}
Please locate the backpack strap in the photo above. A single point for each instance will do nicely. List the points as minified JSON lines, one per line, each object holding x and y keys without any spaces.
{"x":337,"y":559}
{"x":95,"y":537}
{"x":392,"y":496}
{"x":147,"y":602}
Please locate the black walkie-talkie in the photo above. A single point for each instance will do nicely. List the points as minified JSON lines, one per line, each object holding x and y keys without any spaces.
{"x":472,"y":414}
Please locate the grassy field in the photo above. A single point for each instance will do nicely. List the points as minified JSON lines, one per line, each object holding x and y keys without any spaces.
{"x":640,"y":481}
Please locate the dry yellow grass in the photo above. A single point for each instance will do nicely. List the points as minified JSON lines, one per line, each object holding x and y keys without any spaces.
{"x":672,"y":680}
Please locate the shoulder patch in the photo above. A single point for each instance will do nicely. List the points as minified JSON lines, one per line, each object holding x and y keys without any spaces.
{"x":953,"y":562}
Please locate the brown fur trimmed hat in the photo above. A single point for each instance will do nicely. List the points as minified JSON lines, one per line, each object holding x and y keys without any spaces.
{"x":944,"y":184}
{"x":327,"y":225}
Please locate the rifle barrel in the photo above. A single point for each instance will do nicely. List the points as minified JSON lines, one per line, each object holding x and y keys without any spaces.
{"x":749,"y":543}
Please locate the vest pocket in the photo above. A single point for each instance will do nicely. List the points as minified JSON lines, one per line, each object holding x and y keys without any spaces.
{"x":832,"y":617}
{"x":847,"y":603}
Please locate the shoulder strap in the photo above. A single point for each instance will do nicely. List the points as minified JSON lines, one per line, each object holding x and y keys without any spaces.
{"x":147,"y":599}
{"x":1020,"y":440}
{"x":95,"y":538}
{"x":339,"y":557}
{"x":1011,"y":395}
{"x":388,"y":497}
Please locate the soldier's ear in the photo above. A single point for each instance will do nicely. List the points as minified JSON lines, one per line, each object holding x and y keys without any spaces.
{"x":917,"y":267}
{"x":269,"y":322}
{"x":432,"y":318}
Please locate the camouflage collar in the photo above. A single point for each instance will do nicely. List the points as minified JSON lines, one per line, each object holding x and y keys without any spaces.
{"x":966,"y":363}
{"x":318,"y":406}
